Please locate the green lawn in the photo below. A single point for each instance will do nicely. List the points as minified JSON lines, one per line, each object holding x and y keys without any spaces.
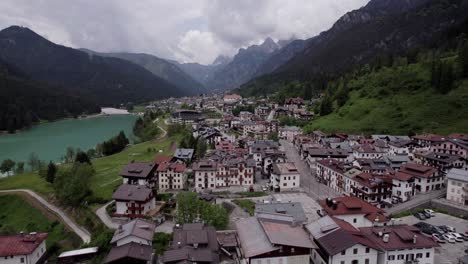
{"x":18,"y":215}
{"x":28,"y":180}
{"x":246,"y":204}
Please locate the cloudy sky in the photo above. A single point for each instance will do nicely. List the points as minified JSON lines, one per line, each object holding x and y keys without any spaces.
{"x":185,"y":30}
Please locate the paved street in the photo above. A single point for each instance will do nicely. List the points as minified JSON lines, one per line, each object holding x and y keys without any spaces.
{"x":105,"y":218}
{"x":308,"y":182}
{"x":417,"y":200}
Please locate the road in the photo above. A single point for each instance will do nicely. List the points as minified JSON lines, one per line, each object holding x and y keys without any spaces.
{"x":271,"y":116}
{"x":416,"y":201}
{"x":308,"y":181}
{"x":105,"y":218}
{"x":78,"y":230}
{"x":160,"y":127}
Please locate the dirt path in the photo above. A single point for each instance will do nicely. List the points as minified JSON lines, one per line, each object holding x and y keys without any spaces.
{"x":78,"y":230}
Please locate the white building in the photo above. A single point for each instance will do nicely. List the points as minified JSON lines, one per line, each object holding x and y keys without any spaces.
{"x":23,"y":248}
{"x":285,"y":176}
{"x":171,"y":176}
{"x":133,"y":201}
{"x":403,"y":186}
{"x":289,"y":132}
{"x":457,"y":186}
{"x":426,"y":178}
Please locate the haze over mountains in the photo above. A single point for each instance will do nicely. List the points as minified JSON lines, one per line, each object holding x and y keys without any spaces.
{"x":377,"y":31}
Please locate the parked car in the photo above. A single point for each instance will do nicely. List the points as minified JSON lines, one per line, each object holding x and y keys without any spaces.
{"x":451,"y":229}
{"x":438,"y":238}
{"x":395,"y":200}
{"x":465,"y":236}
{"x":421,"y":224}
{"x":449,"y":238}
{"x":426,"y":214}
{"x":447,"y":229}
{"x":419,"y":216}
{"x":429,"y":211}
{"x":457,"y":236}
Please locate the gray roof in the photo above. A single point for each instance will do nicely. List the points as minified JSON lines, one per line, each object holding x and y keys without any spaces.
{"x":458,"y":174}
{"x":286,"y":233}
{"x":293,"y":209}
{"x":252,"y":238}
{"x":181,"y":153}
{"x":137,"y":227}
{"x":131,"y":250}
{"x":127,"y":192}
{"x":322,"y":227}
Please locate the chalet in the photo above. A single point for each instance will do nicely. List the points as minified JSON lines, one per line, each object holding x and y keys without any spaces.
{"x":284,"y":177}
{"x":132,"y":252}
{"x":339,"y":242}
{"x":133,"y":201}
{"x":273,"y":238}
{"x":355,"y":211}
{"x":374,"y":189}
{"x":451,"y":147}
{"x":171,"y":176}
{"x":270,"y":157}
{"x":293,"y":103}
{"x":426,"y":140}
{"x":184,"y":155}
{"x":193,"y":243}
{"x":426,"y":178}
{"x":138,"y":231}
{"x":23,"y":248}
{"x":139,"y":173}
{"x":442,"y":161}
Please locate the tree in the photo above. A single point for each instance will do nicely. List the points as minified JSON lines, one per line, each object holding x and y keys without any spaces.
{"x":72,"y":184}
{"x":20,"y":167}
{"x":82,"y":157}
{"x":326,"y":106}
{"x":190,"y":209}
{"x":201,"y":148}
{"x":7,"y":166}
{"x":33,"y":161}
{"x":51,"y":172}
{"x":273,"y":136}
{"x":463,"y":60}
{"x":69,"y":154}
{"x":341,"y":95}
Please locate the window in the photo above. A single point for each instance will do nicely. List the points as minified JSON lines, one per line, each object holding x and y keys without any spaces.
{"x":401,"y":256}
{"x":355,"y":251}
{"x":343,"y":252}
{"x":367,"y":261}
{"x":354,"y":220}
{"x":391,"y":257}
{"x":355,"y":261}
{"x":22,"y":260}
{"x":367,"y":250}
{"x":428,"y":254}
{"x":419,"y":255}
{"x":342,"y":262}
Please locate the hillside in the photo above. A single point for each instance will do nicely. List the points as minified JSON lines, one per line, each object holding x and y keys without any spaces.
{"x":398,"y":100}
{"x":161,"y":68}
{"x":24,"y":102}
{"x":109,"y":81}
{"x":380,"y":31}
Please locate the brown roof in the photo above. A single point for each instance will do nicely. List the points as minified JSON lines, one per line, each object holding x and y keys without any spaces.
{"x":138,"y":169}
{"x":353,"y":205}
{"x":418,"y":170}
{"x":429,"y":137}
{"x":400,"y":237}
{"x":15,"y":245}
{"x":177,"y":167}
{"x":130,"y":250}
{"x":162,"y":159}
{"x":401,"y":176}
{"x":205,"y":165}
{"x":285,"y":168}
{"x":341,"y":239}
{"x":128,"y":192}
{"x":138,"y":227}
{"x":459,"y":136}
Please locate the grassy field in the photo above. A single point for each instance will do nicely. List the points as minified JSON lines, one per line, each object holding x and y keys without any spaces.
{"x":398,"y":101}
{"x":16,"y":215}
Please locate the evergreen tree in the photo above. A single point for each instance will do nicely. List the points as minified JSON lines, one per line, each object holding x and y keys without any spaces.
{"x":82,"y":157}
{"x":51,"y":172}
{"x":326,"y":106}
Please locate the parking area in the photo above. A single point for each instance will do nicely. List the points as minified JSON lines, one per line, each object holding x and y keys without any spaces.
{"x":447,"y":253}
{"x":310,"y":205}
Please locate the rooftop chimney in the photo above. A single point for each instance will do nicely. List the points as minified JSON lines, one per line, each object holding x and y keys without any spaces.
{"x":415,"y":239}
{"x":386,"y":238}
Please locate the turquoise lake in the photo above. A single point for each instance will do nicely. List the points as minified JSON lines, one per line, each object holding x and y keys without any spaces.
{"x":50,"y":140}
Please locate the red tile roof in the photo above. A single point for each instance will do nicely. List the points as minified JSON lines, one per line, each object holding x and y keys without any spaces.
{"x":401,"y":176}
{"x":354,"y":205}
{"x":400,"y":237}
{"x":429,"y":137}
{"x":15,"y":245}
{"x":418,"y":170}
{"x":162,"y":159}
{"x":459,"y":136}
{"x":177,"y":167}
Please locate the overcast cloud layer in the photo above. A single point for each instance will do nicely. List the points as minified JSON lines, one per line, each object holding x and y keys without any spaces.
{"x":185,"y":30}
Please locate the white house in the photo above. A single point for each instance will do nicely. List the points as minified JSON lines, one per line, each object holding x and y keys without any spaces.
{"x":403,"y":186}
{"x":457,"y":186}
{"x":426,"y":178}
{"x":285,"y":176}
{"x":23,"y":248}
{"x":133,"y":200}
{"x":171,"y":176}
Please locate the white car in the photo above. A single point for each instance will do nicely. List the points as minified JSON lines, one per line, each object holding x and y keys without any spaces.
{"x":449,"y":238}
{"x":457,"y":236}
{"x":430,"y":212}
{"x":451,"y":229}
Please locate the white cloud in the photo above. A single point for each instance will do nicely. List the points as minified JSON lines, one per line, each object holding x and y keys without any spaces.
{"x":187,"y":30}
